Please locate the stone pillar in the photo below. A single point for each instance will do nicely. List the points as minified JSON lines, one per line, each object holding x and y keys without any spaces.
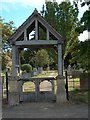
{"x":13,"y":91}
{"x":53,"y":87}
{"x":37,"y":88}
{"x":61,"y":95}
{"x":20,"y":85}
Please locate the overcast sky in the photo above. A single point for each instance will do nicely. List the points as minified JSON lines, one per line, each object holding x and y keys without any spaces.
{"x":19,"y":10}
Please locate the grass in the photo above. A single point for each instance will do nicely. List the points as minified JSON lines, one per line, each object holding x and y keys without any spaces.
{"x":46,"y":74}
{"x":78,"y":96}
{"x":43,"y":74}
{"x":75,"y":94}
{"x":2,"y":74}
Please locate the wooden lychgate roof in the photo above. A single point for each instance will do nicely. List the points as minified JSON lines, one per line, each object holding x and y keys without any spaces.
{"x":33,"y":22}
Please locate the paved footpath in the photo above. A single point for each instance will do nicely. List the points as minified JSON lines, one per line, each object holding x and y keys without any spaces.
{"x":46,"y":110}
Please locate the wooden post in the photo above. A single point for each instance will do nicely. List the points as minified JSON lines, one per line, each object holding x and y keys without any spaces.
{"x":13,"y":61}
{"x":60,"y":70}
{"x":18,"y":61}
{"x":47,"y":34}
{"x":36,"y":30}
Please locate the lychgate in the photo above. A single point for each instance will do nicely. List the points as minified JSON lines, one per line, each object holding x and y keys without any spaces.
{"x":21,"y":39}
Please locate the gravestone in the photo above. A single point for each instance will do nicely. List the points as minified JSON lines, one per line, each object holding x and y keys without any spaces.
{"x":26,"y":75}
{"x":40,"y":69}
{"x":35,"y":71}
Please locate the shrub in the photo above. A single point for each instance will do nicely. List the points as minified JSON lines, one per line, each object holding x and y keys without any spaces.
{"x":26,"y":67}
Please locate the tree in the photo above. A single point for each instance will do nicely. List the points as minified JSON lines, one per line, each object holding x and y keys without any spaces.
{"x":41,"y":58}
{"x":6,"y":60}
{"x":64,"y":18}
{"x":27,"y":55}
{"x":84,"y":22}
{"x":81,"y":55}
{"x":26,"y":67}
{"x":7,"y":30}
{"x":82,"y":52}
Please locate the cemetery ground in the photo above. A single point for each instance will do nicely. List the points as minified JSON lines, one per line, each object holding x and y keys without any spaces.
{"x":76,"y":107}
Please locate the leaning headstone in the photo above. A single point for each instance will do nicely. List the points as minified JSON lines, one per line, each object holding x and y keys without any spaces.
{"x":48,"y":68}
{"x":69,"y":68}
{"x":40,"y":69}
{"x":35,"y":71}
{"x":26,"y":75}
{"x":81,"y":70}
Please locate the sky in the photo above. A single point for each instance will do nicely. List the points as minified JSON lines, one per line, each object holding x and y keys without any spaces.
{"x":19,"y":10}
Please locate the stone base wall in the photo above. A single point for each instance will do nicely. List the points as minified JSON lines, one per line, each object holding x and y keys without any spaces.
{"x":13,"y":98}
{"x":16,"y":95}
{"x":41,"y":96}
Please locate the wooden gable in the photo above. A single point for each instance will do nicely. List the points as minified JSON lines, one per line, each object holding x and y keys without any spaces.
{"x":22,"y":33}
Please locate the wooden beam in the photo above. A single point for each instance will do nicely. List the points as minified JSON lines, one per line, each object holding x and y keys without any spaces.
{"x":36,"y":47}
{"x":36,"y":42}
{"x":17,"y":34}
{"x":35,"y":79}
{"x":25,"y":34}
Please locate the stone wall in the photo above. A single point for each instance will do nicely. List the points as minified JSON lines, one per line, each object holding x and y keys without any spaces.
{"x":84,"y":79}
